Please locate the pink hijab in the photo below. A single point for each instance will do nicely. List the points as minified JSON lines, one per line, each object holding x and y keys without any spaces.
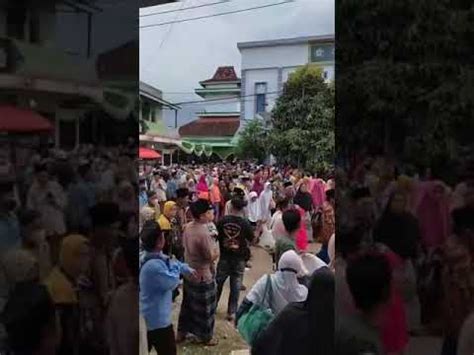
{"x":432,"y":211}
{"x":318,"y":192}
{"x":202,"y":185}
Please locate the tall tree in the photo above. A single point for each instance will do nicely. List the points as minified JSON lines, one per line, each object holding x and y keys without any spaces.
{"x":303,"y":121}
{"x":253,"y":141}
{"x":405,"y":72}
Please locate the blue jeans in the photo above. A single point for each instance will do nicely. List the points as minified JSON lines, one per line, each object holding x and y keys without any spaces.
{"x":234,"y":269}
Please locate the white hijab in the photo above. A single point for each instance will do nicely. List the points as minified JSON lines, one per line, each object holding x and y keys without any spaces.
{"x":253,"y":207}
{"x":285,"y":286}
{"x":264,"y":202}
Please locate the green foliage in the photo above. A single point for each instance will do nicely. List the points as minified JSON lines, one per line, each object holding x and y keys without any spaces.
{"x":405,"y":78}
{"x":303,"y":121}
{"x":253,"y":141}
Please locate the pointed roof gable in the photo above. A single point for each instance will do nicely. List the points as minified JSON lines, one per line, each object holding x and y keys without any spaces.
{"x":222,"y":75}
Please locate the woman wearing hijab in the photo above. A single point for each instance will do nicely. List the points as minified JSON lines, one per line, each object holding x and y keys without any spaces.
{"x":202,"y":188}
{"x":302,"y":235}
{"x":216,"y":197}
{"x":398,"y":230}
{"x":266,"y":203}
{"x":317,"y":189}
{"x":169,"y":228}
{"x":328,"y":226}
{"x":304,"y":200}
{"x":253,"y":210}
{"x":192,"y":188}
{"x":258,"y":186}
{"x":19,"y":266}
{"x":305,"y":327}
{"x":284,"y":284}
{"x":62,"y":285}
{"x":432,"y":211}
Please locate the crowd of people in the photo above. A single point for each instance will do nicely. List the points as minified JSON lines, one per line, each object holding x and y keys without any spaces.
{"x":69,"y":253}
{"x":197,"y":228}
{"x":89,"y":241}
{"x":401,"y":263}
{"x":404,"y":259}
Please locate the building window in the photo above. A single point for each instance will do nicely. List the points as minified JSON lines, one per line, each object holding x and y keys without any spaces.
{"x":261,"y":97}
{"x":16,"y":19}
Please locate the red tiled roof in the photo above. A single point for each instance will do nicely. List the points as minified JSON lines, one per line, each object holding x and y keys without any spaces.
{"x":215,"y":126}
{"x":223,"y":74}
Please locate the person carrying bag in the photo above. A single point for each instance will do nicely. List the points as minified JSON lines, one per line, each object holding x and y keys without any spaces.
{"x":252,"y":323}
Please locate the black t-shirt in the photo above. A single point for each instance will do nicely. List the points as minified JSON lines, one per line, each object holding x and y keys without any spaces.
{"x":234,"y":232}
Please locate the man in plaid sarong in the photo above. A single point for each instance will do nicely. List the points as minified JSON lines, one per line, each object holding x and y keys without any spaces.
{"x":198,"y":308}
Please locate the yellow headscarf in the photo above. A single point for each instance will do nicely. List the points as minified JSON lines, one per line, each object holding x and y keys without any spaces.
{"x":163,"y":221}
{"x":59,"y":285}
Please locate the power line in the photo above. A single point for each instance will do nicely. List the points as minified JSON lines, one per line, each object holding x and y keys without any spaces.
{"x":216,"y":15}
{"x":185,"y":8}
{"x":170,"y":27}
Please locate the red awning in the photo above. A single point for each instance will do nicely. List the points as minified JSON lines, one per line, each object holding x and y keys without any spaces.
{"x":19,"y":120}
{"x":146,"y":153}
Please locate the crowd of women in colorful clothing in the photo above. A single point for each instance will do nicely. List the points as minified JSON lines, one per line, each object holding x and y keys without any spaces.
{"x":68,"y":253}
{"x":197,"y":226}
{"x":404,"y":263}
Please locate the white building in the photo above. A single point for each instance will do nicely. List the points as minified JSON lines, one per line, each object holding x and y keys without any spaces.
{"x":266,"y":66}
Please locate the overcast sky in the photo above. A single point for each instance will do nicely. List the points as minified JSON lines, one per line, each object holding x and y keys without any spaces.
{"x":174,"y":58}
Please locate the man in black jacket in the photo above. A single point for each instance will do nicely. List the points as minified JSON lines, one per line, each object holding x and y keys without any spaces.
{"x":234,"y":234}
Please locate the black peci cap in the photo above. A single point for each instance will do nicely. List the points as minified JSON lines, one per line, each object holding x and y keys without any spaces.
{"x":200,"y":207}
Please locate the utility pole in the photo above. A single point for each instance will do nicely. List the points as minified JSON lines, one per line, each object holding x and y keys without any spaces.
{"x":89,"y":35}
{"x":175,"y":118}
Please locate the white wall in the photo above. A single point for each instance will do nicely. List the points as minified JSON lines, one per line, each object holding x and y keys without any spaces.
{"x":279,"y":56}
{"x":269,"y":76}
{"x":263,"y":64}
{"x":231,"y":105}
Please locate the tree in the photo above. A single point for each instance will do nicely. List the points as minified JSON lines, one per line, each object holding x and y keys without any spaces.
{"x":253,"y":141}
{"x":400,"y":63}
{"x":303,"y":121}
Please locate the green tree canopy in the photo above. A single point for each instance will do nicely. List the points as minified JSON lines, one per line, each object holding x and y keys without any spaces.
{"x":405,"y":75}
{"x":253,"y":141}
{"x":303,"y":121}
